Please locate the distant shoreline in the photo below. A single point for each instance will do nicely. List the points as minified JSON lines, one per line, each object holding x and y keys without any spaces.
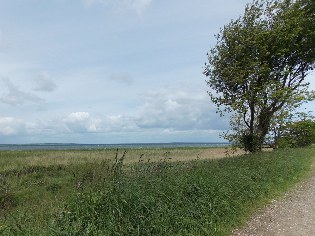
{"x":77,"y":146}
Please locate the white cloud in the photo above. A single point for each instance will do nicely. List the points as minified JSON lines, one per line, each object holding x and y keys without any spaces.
{"x":15,"y":96}
{"x":77,"y":117}
{"x":161,"y":117}
{"x":166,"y":112}
{"x":81,"y":122}
{"x":181,"y":110}
{"x":10,"y":126}
{"x":44,"y":83}
{"x":119,"y":123}
{"x":139,"y":6}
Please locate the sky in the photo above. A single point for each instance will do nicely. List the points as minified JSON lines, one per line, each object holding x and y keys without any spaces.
{"x":109,"y":71}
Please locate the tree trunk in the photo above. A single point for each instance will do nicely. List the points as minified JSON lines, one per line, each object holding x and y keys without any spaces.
{"x":263,"y":128}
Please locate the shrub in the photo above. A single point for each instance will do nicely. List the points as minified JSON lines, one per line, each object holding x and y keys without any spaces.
{"x":298,"y":134}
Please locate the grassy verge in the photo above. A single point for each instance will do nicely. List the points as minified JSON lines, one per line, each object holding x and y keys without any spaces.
{"x":86,"y":193}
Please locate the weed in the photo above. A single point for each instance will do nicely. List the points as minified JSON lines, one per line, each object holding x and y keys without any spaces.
{"x":6,"y":198}
{"x":118,"y":164}
{"x":88,"y":193}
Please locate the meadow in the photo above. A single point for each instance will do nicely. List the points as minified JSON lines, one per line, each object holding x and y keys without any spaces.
{"x":176,"y":191}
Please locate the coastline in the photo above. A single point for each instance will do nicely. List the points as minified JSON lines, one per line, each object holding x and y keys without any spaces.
{"x":78,"y":146}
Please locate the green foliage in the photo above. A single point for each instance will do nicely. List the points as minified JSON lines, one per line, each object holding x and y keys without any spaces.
{"x":149,"y":197}
{"x":6,"y":198}
{"x":298,"y":134}
{"x":198,"y":198}
{"x":259,"y":64}
{"x":281,"y":121}
{"x":250,"y":142}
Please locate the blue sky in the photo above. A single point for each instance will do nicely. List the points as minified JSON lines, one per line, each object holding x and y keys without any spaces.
{"x":109,"y":71}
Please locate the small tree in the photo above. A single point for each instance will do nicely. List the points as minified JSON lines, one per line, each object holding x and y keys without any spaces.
{"x":259,"y":64}
{"x":288,"y":114}
{"x":298,"y":134}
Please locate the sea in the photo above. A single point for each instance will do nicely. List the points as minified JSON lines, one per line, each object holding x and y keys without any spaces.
{"x":77,"y":146}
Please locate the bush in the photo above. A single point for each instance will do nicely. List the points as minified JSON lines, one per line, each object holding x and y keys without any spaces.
{"x":298,"y":134}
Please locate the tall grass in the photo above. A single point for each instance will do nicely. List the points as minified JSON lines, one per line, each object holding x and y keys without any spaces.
{"x":108,"y":197}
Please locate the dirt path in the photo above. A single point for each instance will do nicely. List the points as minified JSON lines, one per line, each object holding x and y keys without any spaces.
{"x":292,"y":215}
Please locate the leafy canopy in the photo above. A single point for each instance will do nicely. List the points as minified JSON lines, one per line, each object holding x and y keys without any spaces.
{"x":259,"y":65}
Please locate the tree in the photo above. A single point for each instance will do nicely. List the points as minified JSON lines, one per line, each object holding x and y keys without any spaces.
{"x":287,"y":115}
{"x":259,"y":65}
{"x":298,"y":134}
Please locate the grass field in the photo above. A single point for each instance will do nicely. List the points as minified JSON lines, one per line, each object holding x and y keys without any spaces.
{"x":180,"y":191}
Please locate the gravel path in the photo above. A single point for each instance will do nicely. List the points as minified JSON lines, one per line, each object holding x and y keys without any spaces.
{"x":293,"y":215}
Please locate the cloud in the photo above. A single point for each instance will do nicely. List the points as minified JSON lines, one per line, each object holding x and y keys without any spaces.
{"x":81,"y":122}
{"x":85,"y":122}
{"x":44,"y":83}
{"x":163,"y":115}
{"x":122,"y":78}
{"x":181,"y":110}
{"x":10,"y":126}
{"x":139,"y":6}
{"x":160,"y":118}
{"x":119,"y":123}
{"x":15,"y":96}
